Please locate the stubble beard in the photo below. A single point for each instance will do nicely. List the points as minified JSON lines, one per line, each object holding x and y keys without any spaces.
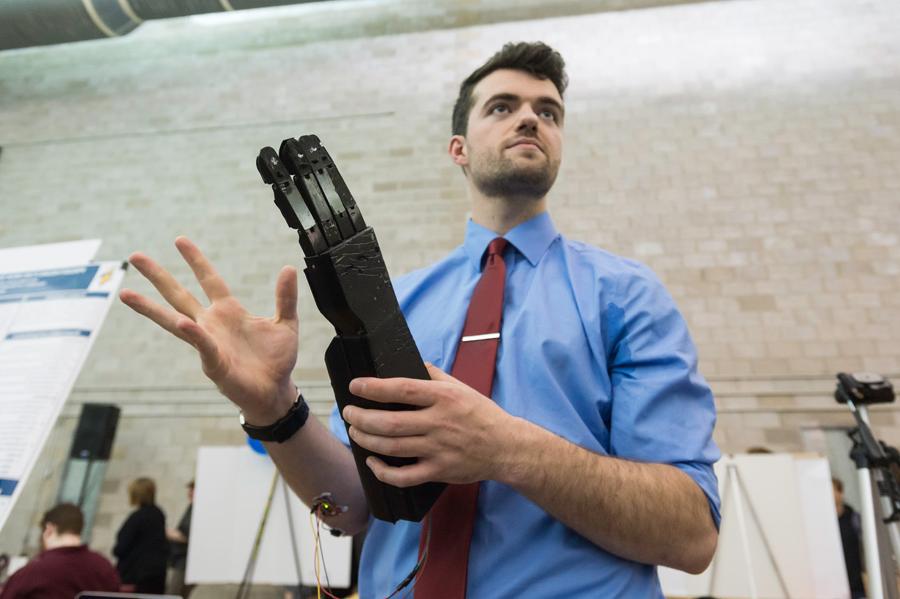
{"x":501,"y":177}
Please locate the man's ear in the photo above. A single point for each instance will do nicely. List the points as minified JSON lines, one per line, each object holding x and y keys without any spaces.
{"x":458,"y":151}
{"x":50,"y":530}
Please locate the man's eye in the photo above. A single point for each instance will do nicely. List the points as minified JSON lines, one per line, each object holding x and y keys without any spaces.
{"x":500,"y":108}
{"x":548,"y":114}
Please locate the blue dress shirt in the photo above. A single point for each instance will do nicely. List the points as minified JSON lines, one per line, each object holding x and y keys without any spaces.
{"x":593,"y":349}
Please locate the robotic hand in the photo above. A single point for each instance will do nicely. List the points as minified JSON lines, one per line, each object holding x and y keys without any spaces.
{"x":352,"y":289}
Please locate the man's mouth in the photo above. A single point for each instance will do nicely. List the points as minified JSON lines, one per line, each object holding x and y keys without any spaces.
{"x":526,"y":143}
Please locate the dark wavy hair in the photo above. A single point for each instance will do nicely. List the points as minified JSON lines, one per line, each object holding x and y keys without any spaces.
{"x":535,"y":58}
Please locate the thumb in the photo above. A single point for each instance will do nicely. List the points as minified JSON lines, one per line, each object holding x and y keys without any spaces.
{"x":286,"y":294}
{"x":437,"y":374}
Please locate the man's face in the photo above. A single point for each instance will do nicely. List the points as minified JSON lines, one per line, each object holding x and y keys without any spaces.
{"x":513,"y":144}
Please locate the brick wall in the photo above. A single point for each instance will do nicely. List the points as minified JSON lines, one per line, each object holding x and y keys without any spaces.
{"x":748,"y":151}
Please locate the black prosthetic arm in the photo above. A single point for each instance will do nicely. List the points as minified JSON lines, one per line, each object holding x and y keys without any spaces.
{"x":352,"y":289}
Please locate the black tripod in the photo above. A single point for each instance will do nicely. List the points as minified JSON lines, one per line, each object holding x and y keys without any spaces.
{"x":878,"y":486}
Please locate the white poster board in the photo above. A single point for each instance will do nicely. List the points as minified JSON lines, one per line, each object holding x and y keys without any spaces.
{"x":50,"y":315}
{"x":232,"y":487}
{"x":779,"y":527}
{"x":48,"y":255}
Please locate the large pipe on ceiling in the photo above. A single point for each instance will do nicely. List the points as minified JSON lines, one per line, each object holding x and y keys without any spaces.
{"x":25,"y":23}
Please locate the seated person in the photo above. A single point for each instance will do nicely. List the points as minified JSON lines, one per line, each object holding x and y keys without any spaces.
{"x":65,"y":566}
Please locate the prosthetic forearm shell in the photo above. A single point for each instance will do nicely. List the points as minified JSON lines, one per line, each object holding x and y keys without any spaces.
{"x":352,"y":289}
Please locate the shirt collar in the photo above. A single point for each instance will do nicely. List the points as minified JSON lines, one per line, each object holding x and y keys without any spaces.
{"x":531,"y":238}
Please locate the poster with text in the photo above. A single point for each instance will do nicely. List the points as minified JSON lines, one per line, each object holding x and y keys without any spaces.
{"x":49,"y":319}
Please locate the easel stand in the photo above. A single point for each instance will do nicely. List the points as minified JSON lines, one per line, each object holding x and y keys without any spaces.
{"x":881,"y":539}
{"x":247,"y":581}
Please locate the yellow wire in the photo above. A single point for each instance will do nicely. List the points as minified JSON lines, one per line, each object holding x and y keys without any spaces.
{"x":316,"y":559}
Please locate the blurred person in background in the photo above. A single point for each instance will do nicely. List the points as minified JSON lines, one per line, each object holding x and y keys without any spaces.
{"x":141,"y":545}
{"x":178,"y":545}
{"x":65,"y":566}
{"x":851,"y":535}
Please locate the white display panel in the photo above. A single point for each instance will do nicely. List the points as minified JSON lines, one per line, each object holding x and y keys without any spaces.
{"x":232,"y":486}
{"x":782,"y":515}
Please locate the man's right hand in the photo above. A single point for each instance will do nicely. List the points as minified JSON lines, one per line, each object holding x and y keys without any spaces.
{"x":249,"y":358}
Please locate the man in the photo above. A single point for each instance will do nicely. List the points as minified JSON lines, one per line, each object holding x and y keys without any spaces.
{"x":65,"y":566}
{"x":851,"y":539}
{"x":593,"y":451}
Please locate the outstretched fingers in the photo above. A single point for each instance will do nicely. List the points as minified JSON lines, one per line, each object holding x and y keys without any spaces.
{"x":166,"y":318}
{"x":178,"y":297}
{"x":203,"y":341}
{"x":213,"y":285}
{"x":178,"y":324}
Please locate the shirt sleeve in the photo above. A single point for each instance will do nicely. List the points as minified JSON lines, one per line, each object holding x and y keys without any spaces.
{"x":662,"y":409}
{"x":338,"y":429}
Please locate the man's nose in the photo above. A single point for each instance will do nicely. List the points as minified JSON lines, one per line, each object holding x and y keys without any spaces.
{"x":528,"y":120}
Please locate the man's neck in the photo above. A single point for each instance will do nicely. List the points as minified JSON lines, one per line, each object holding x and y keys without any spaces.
{"x":500,"y":215}
{"x":64,"y":540}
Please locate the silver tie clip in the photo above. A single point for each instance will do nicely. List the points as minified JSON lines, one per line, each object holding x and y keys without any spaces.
{"x":481,"y":337}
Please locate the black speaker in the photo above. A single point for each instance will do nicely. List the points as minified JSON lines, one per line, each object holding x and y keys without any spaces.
{"x":95,"y":433}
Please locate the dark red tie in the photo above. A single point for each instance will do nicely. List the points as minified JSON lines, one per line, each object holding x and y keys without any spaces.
{"x":452,"y":518}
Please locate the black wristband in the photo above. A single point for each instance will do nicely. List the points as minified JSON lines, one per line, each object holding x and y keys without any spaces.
{"x":282,"y":429}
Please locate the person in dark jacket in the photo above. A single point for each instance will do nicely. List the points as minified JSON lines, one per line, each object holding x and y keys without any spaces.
{"x":851,"y":539}
{"x":141,"y":545}
{"x":178,"y":544}
{"x":65,"y":566}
